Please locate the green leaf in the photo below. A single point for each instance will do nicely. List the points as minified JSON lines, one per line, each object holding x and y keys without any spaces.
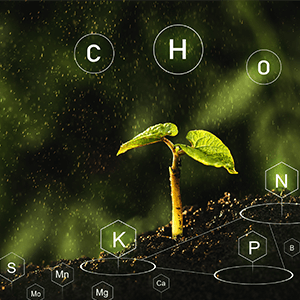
{"x":209,"y":150}
{"x":151,"y":135}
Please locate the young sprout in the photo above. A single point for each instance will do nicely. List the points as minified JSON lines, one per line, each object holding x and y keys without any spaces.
{"x":205,"y":148}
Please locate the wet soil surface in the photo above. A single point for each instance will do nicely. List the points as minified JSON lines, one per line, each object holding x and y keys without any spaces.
{"x":211,"y":260}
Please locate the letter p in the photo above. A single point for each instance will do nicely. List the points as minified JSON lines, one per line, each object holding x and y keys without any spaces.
{"x":253,"y":245}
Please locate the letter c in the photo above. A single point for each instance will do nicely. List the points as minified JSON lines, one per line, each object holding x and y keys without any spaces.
{"x":88,"y":53}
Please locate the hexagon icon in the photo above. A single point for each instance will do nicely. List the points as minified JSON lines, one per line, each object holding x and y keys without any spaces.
{"x":292,"y":247}
{"x":35,"y":292}
{"x":12,"y":267}
{"x":252,"y":246}
{"x":161,"y":283}
{"x":102,"y":290}
{"x":62,"y":274}
{"x":281,"y":180}
{"x":116,"y":236}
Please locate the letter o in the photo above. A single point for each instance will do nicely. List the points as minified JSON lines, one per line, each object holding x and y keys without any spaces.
{"x":267,"y":67}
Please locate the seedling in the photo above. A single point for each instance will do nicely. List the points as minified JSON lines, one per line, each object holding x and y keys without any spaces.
{"x":205,"y":148}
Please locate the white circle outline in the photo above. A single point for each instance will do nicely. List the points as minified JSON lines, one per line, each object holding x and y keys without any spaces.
{"x":253,"y":283}
{"x":279,"y":64}
{"x":174,"y":25}
{"x":117,"y":275}
{"x":263,"y":222}
{"x":113,"y":50}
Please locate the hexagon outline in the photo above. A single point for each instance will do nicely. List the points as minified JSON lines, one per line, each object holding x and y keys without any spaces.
{"x":281,"y":197}
{"x":135,"y":238}
{"x":168,"y":285}
{"x":112,"y":290}
{"x":23,"y":266}
{"x":289,"y":253}
{"x":246,"y":234}
{"x":32,"y":286}
{"x":67,"y":267}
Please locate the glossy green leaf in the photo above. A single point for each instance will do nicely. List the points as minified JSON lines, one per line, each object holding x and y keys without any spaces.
{"x":209,"y":150}
{"x":151,"y":135}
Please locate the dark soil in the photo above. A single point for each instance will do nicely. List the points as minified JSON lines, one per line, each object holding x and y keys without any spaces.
{"x":210,"y":243}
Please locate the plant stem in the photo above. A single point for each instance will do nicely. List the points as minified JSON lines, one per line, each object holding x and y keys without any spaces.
{"x":177,"y":218}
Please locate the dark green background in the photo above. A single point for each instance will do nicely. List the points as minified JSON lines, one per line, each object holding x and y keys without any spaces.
{"x":61,"y":128}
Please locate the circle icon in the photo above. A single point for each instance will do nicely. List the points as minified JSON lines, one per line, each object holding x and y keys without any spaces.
{"x":94,"y":53}
{"x":127,"y":266}
{"x":178,"y":49}
{"x":253,"y":275}
{"x":263,"y":67}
